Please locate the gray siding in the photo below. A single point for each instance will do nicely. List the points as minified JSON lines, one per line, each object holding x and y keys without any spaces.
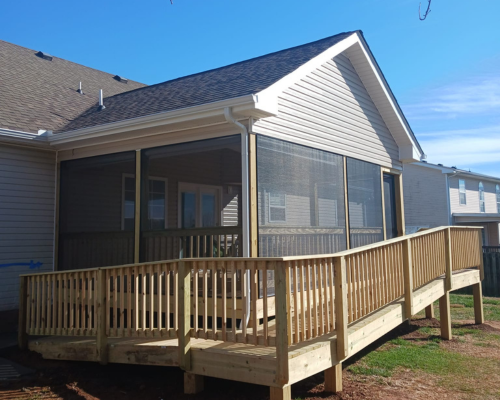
{"x":27,"y":192}
{"x":425,"y":199}
{"x":472,"y":196}
{"x":330,"y":109}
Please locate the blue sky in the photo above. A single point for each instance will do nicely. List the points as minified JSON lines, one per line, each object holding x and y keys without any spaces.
{"x":445,"y":71}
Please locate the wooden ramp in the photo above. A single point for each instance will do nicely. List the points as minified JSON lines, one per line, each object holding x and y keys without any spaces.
{"x":325,"y":309}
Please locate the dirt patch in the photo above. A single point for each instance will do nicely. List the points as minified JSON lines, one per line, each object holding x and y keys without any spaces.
{"x":424,"y":322}
{"x":489,"y":326}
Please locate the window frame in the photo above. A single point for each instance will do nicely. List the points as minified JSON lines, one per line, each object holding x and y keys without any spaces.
{"x":497,"y":193}
{"x":154,"y":178}
{"x":269,"y":206}
{"x":482,"y":202}
{"x":460,"y":192}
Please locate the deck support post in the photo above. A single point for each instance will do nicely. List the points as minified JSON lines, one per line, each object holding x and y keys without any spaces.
{"x":408,"y":278}
{"x":429,"y":311}
{"x":477,"y":293}
{"x":445,"y":317}
{"x":333,"y":379}
{"x":193,"y":383}
{"x":22,"y":336}
{"x":340,"y":277}
{"x":102,"y":310}
{"x":184,"y":315}
{"x":281,"y":393}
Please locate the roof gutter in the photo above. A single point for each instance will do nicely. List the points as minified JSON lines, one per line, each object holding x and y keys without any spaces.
{"x":245,"y":192}
{"x":26,"y":139}
{"x":244,"y":106}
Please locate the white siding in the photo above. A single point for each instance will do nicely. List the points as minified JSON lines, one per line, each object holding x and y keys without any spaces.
{"x":330,"y":109}
{"x":472,"y":196}
{"x":425,"y":199}
{"x":27,"y":192}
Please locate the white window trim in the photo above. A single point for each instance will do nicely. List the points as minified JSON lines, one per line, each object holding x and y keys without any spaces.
{"x":197,"y":188}
{"x":153,"y":178}
{"x":479,"y":190}
{"x":464,"y":192}
{"x":269,"y":207}
{"x":497,"y":194}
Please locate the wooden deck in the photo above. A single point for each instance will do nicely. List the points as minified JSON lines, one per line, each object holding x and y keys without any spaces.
{"x":327,"y":309}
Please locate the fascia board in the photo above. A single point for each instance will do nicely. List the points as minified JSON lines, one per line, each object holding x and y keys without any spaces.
{"x":388,"y":93}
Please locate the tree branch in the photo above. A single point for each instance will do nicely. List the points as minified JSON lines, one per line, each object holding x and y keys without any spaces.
{"x":426,"y":11}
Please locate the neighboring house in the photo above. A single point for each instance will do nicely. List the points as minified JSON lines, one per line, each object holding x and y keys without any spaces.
{"x":38,"y":94}
{"x":296,"y":152}
{"x":436,"y":195}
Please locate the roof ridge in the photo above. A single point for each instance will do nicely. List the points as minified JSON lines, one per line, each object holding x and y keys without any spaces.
{"x":75,"y":63}
{"x":235,"y":63}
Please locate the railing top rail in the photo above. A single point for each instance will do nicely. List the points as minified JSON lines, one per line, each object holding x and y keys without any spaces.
{"x":378,"y":244}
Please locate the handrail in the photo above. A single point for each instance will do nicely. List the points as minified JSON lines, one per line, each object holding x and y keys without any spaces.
{"x":200,"y":297}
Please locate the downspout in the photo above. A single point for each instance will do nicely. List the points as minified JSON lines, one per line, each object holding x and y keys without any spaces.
{"x":245,"y":193}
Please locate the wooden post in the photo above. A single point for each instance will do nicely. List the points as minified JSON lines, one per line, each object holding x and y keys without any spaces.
{"x":282,"y":308}
{"x":184,"y":315}
{"x":340,"y":277}
{"x":449,"y":266}
{"x":400,"y":208}
{"x":429,"y":311}
{"x":137,"y":214}
{"x":444,"y":311}
{"x":284,"y":393}
{"x":102,"y":310}
{"x":22,"y":336}
{"x":56,"y":227}
{"x":333,"y":379}
{"x":193,"y":384}
{"x":346,"y":203}
{"x":477,"y":293}
{"x":384,"y":227}
{"x":408,"y":278}
{"x":481,"y":260}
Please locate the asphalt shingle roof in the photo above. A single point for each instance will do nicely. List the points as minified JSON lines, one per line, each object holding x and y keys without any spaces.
{"x":235,"y":80}
{"x":40,"y":94}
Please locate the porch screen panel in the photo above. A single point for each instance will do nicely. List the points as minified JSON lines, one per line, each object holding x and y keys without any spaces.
{"x":365,"y":203}
{"x":97,"y":206}
{"x":190,"y":200}
{"x":301,"y":207}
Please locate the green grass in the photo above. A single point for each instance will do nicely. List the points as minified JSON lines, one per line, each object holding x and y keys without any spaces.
{"x":400,"y":353}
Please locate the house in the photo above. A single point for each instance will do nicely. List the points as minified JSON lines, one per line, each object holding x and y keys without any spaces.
{"x":235,"y":221}
{"x":39,"y":94}
{"x":436,"y":195}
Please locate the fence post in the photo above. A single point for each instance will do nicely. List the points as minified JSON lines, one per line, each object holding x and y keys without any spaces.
{"x":282,"y":310}
{"x":102,"y":310}
{"x":447,"y":255}
{"x":184,"y":315}
{"x":408,"y":278}
{"x":340,"y":277}
{"x":481,"y":261}
{"x":22,"y":336}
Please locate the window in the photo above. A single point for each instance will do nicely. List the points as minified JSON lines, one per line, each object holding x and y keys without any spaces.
{"x":481,"y":198}
{"x":277,"y":207}
{"x":497,"y":190}
{"x":157,"y":201}
{"x":462,"y":192}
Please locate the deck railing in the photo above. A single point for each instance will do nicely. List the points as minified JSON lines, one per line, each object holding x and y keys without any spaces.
{"x":205,"y":298}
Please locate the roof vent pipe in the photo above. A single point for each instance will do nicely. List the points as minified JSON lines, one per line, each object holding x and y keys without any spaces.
{"x":80,"y":89}
{"x":101,"y":104}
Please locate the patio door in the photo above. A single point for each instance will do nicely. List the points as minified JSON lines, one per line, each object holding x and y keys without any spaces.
{"x":199,"y":206}
{"x":391,"y":222}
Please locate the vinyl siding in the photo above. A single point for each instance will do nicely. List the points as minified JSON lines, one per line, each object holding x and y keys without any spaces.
{"x":330,"y":109}
{"x":27,"y":192}
{"x":472,"y":196}
{"x":425,"y":199}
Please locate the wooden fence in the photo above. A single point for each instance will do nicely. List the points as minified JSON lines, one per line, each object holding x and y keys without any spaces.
{"x":205,"y":298}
